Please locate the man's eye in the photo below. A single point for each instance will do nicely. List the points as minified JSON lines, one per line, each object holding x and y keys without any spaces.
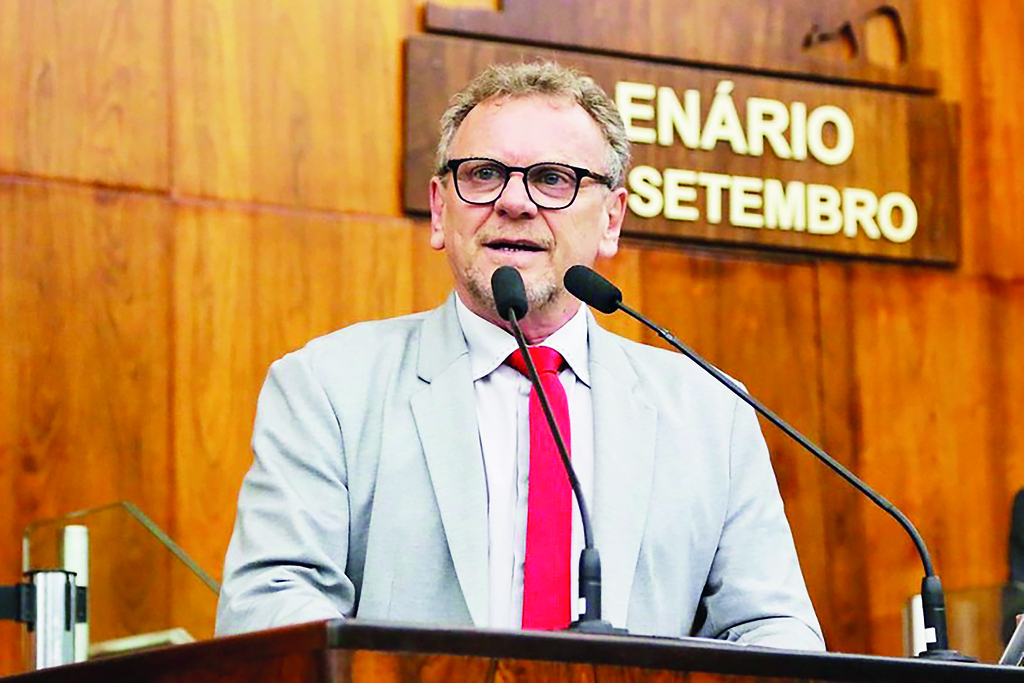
{"x":550,"y":177}
{"x":485,"y":173}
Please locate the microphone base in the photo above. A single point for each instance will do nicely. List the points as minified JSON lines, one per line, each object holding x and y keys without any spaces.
{"x":596,"y":627}
{"x":946,"y":656}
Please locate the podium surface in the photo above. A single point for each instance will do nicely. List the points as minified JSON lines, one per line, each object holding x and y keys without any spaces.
{"x":363,"y":651}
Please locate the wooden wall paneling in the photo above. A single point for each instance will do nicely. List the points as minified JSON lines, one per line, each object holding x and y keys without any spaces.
{"x":624,"y":270}
{"x":215,"y":384}
{"x":289,"y":103}
{"x":10,"y":647}
{"x":10,"y":530}
{"x":1002,"y":90}
{"x":970,"y":43}
{"x":1006,"y":437}
{"x":1008,"y":386}
{"x":924,"y":370}
{"x":933,"y":185}
{"x":844,"y":508}
{"x":323,"y":272}
{"x":216,"y":374}
{"x":352,"y":268}
{"x":85,"y":287}
{"x":757,"y":321}
{"x":86,"y":91}
{"x":760,"y":37}
{"x":952,"y":29}
{"x":9,"y":59}
{"x":90,"y":287}
{"x":1001,"y":387}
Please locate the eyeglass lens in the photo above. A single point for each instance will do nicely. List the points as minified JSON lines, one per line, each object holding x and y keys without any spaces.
{"x":549,"y":185}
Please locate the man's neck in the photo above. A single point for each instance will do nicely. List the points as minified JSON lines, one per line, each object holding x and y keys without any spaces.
{"x":539,"y":324}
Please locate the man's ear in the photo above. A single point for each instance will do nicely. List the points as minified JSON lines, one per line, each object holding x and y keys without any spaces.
{"x":437,"y":200}
{"x":615,"y":207}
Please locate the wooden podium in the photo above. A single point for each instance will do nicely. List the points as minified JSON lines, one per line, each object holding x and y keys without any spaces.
{"x":360,"y":651}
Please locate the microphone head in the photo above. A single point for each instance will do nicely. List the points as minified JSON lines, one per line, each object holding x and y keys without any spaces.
{"x":592,"y":289}
{"x":509,"y":293}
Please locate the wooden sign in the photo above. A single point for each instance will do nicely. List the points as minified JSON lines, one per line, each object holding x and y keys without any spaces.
{"x":735,"y":158}
{"x":878,"y":39}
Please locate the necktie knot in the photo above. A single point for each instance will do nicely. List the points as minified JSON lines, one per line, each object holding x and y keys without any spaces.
{"x":546,"y":359}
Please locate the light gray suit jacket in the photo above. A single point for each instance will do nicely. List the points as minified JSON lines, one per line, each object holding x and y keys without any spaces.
{"x":367,"y":494}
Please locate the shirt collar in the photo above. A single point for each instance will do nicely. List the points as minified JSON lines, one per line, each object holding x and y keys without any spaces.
{"x":489,"y":345}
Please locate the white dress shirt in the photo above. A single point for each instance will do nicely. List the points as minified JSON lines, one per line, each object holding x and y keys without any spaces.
{"x":503,"y":419}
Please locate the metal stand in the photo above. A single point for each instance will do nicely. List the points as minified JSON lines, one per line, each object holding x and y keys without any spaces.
{"x":50,"y":605}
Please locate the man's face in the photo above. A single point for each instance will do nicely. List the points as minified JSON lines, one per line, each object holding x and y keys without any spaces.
{"x":540,"y":243}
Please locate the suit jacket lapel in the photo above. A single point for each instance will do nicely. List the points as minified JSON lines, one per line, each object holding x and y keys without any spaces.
{"x":445,"y":415}
{"x":624,"y":440}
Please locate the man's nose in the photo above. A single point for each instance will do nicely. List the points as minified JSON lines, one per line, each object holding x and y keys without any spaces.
{"x":514,"y":201}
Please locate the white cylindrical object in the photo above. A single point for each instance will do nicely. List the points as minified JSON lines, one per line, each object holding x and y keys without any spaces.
{"x":54,"y":619}
{"x":915,"y":638}
{"x":76,"y":559}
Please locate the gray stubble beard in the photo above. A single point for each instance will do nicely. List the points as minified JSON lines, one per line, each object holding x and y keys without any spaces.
{"x":538,"y":296}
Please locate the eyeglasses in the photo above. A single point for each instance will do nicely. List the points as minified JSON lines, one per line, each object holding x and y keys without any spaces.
{"x":548,"y":185}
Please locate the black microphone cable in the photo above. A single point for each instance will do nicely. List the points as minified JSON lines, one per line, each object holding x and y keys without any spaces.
{"x":596,"y":291}
{"x":510,"y":301}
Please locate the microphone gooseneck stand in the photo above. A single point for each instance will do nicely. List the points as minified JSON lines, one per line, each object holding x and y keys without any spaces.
{"x":510,"y":300}
{"x":594,"y":290}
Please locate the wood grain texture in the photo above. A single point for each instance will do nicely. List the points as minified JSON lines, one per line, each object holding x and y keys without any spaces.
{"x":383,"y":666}
{"x":89,"y":290}
{"x":410,"y":667}
{"x":85,"y":93}
{"x":842,"y":512}
{"x":1007,"y":376}
{"x":625,"y":270}
{"x":295,"y":654}
{"x":928,"y":373}
{"x":970,"y":43}
{"x":769,"y":37}
{"x":289,"y":103}
{"x":318,"y":651}
{"x":84,"y":292}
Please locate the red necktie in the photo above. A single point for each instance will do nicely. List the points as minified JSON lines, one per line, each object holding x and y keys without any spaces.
{"x":546,"y":580}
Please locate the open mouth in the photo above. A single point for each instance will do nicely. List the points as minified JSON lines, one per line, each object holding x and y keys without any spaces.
{"x":512,"y":246}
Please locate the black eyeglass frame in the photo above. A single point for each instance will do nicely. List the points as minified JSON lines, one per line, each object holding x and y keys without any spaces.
{"x":452,"y":165}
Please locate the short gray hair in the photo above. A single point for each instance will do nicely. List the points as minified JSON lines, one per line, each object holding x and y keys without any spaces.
{"x":540,"y":78}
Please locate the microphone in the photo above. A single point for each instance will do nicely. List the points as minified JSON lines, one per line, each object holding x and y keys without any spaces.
{"x":510,"y":300}
{"x":509,"y":294}
{"x":594,"y":290}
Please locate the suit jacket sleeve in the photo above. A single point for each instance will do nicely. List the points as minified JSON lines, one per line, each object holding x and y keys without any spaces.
{"x":755,"y":591}
{"x":287,"y":556}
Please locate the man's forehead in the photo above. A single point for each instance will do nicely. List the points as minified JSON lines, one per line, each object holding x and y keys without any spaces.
{"x":534,"y":103}
{"x":552,"y":121}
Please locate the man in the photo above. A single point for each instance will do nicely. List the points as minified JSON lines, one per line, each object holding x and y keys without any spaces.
{"x":394,"y":460}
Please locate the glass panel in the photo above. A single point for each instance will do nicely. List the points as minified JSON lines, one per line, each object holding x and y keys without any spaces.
{"x":141,"y":584}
